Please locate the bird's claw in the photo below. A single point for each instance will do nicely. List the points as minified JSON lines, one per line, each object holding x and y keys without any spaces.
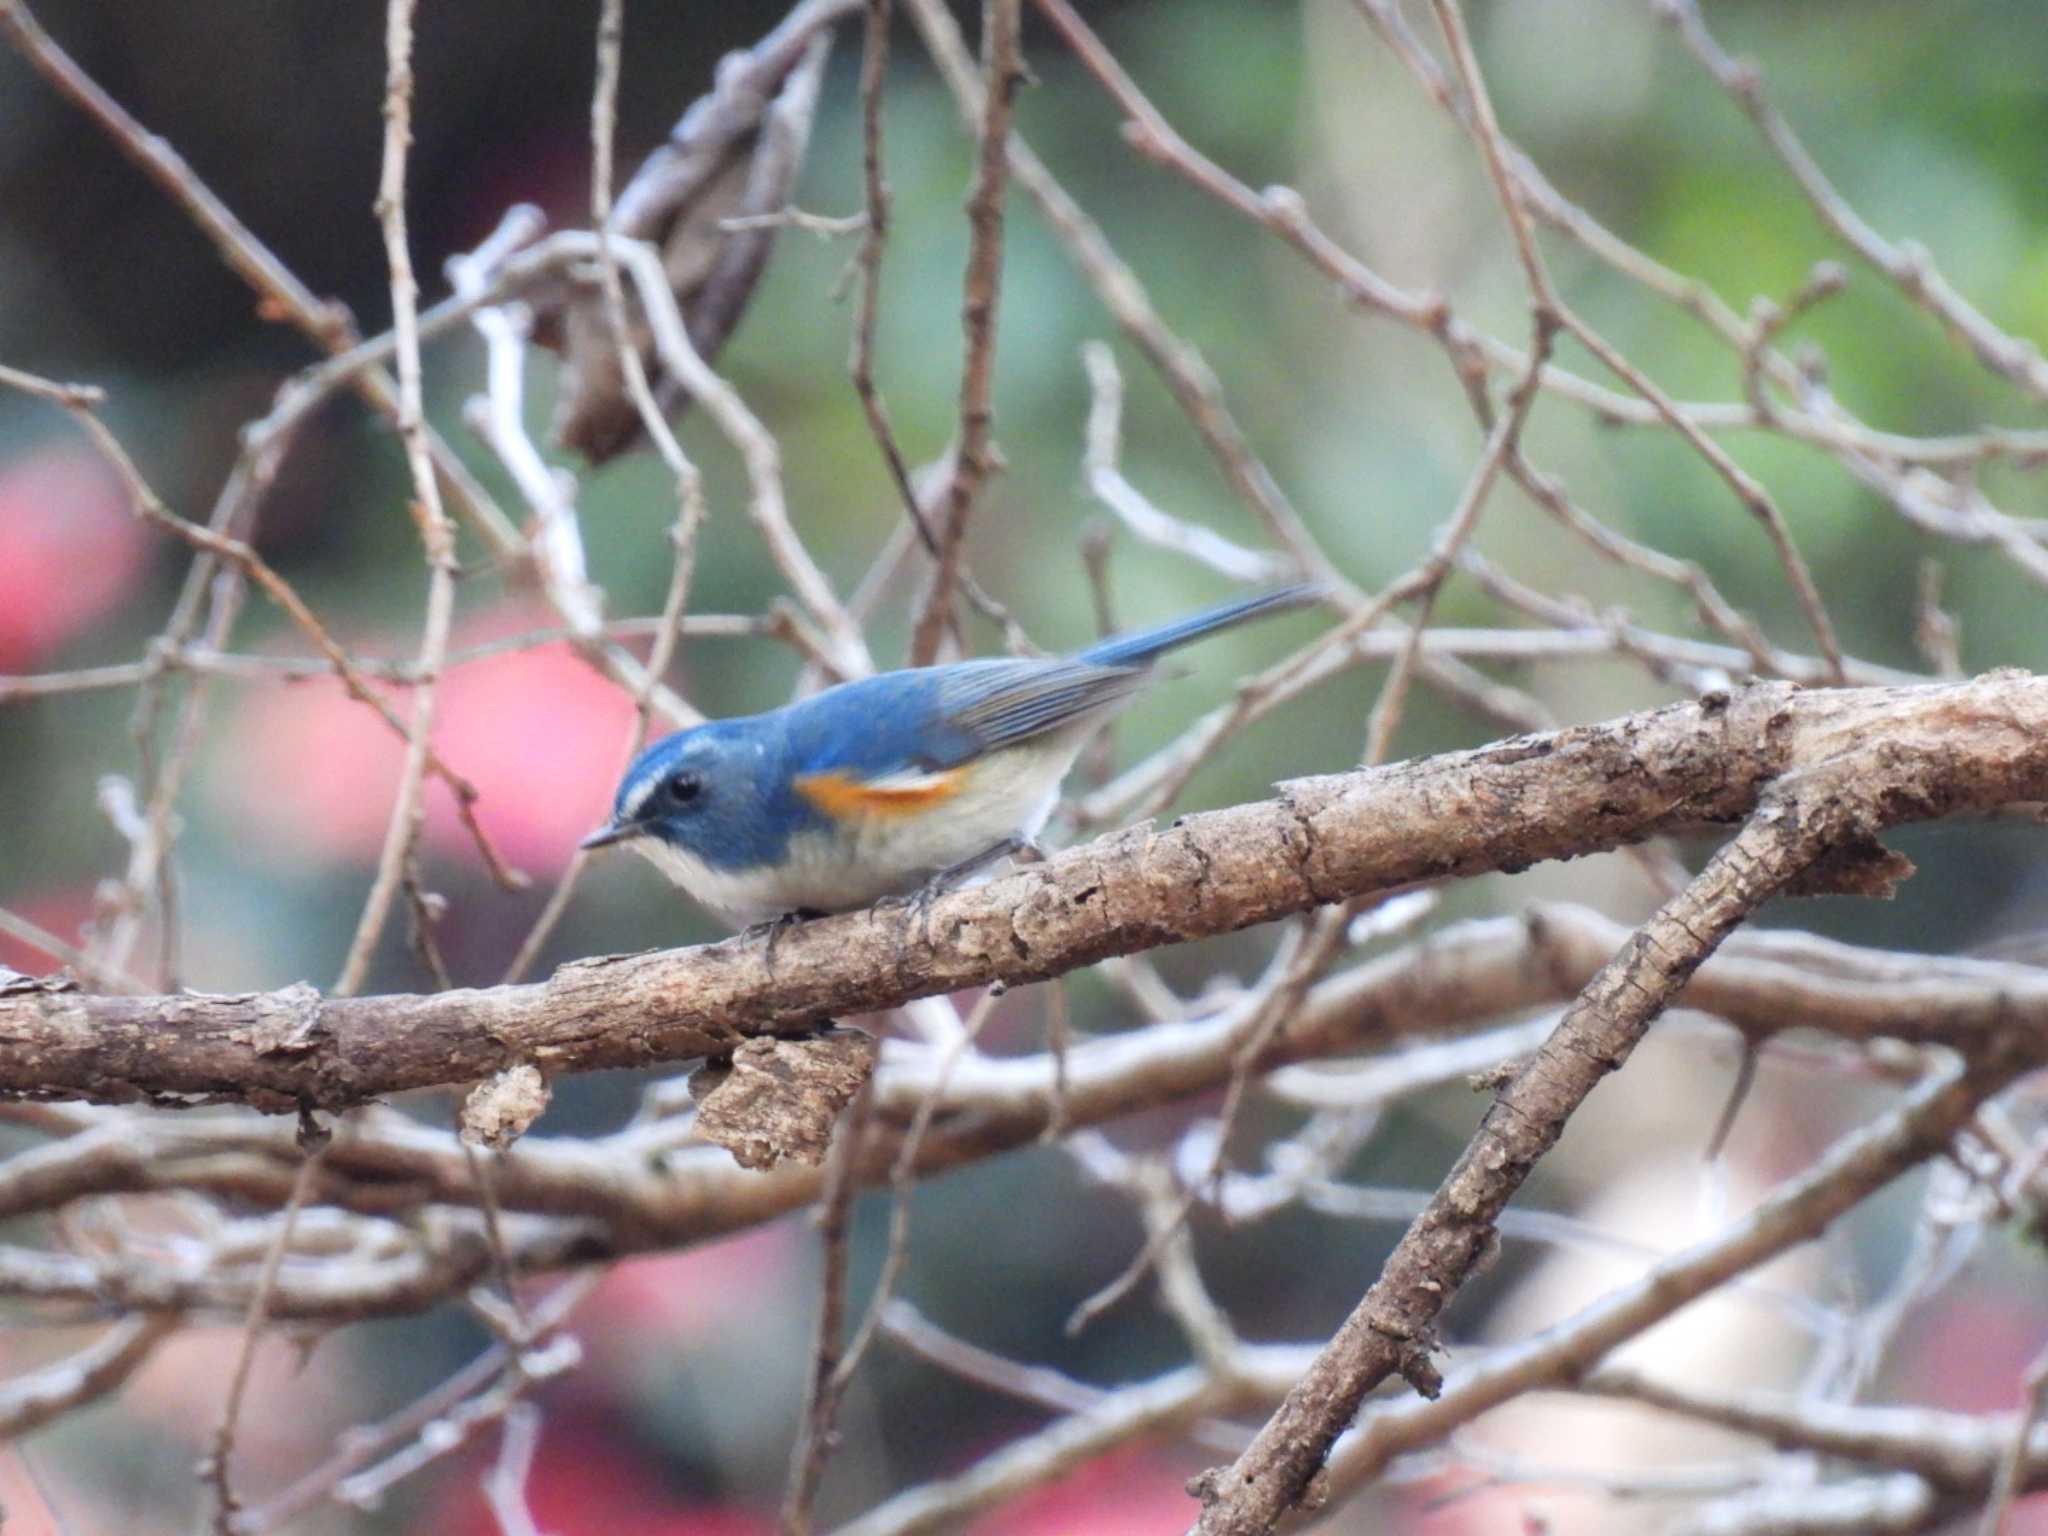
{"x":919,"y":902}
{"x":772,"y":931}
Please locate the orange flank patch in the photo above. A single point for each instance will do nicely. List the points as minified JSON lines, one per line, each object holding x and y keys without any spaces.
{"x":846,"y":799}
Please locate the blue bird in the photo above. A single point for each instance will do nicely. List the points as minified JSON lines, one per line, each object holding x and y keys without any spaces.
{"x":888,"y":786}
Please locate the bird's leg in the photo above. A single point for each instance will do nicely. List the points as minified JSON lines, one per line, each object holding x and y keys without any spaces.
{"x":772,"y":930}
{"x":1022,"y":849}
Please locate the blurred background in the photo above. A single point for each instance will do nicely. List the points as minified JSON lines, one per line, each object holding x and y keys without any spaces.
{"x":1930,"y":122}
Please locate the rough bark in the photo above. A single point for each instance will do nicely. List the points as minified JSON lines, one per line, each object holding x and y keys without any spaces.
{"x":1924,"y":752}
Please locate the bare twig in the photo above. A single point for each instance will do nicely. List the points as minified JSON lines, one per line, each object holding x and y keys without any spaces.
{"x":437,"y":534}
{"x":1268,"y":1008}
{"x":690,"y":506}
{"x":1456,"y":532}
{"x":29,"y":1402}
{"x":1907,"y":265}
{"x":1118,"y":288}
{"x":902,"y":1174}
{"x":1100,"y":464}
{"x":1504,"y":439}
{"x":15,"y":926}
{"x":2015,"y":1464}
{"x":362,"y":1446}
{"x":218,"y":1471}
{"x":1853,"y":1169}
{"x":974,"y":454}
{"x":812,"y":1447}
{"x":758,"y":450}
{"x":242,"y":558}
{"x":505,"y":1484}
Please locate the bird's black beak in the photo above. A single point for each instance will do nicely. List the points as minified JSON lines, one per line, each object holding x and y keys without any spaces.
{"x":611,"y":832}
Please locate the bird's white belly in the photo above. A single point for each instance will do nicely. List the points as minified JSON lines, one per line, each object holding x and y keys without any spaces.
{"x":740,"y":896}
{"x":863,"y":858}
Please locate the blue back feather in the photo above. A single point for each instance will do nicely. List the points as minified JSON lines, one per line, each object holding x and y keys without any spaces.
{"x":1148,"y":644}
{"x":955,"y":713}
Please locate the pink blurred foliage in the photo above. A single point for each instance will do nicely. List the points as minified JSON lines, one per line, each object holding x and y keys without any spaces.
{"x":296,"y":1402}
{"x":1466,"y":1501}
{"x":588,"y":1479}
{"x":586,"y":1482}
{"x":674,"y":1297}
{"x":1127,"y":1494}
{"x":28,"y":1498}
{"x":70,"y":550}
{"x":63,"y":914}
{"x":165,"y":1416}
{"x":540,"y":734}
{"x":1969,"y":1348}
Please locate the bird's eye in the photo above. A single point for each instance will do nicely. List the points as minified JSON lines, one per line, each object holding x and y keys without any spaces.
{"x":683,"y":788}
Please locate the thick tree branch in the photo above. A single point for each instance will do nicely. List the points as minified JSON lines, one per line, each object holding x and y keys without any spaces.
{"x":1812,"y":814}
{"x":1393,"y":1328}
{"x":647,"y":1186}
{"x":1909,"y":753}
{"x":1857,"y":1166}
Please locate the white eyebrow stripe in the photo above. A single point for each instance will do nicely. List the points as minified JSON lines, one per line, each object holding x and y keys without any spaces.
{"x":638,"y":791}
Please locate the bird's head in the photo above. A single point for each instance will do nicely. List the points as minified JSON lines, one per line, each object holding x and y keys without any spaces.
{"x":699,"y":791}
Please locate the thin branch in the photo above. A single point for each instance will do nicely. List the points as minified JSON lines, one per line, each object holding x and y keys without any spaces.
{"x":974,"y":451}
{"x":244,"y":559}
{"x":1266,"y":1011}
{"x":1100,"y":465}
{"x":1283,"y":211}
{"x":1957,"y":1452}
{"x":2015,"y":1464}
{"x":217,"y":1467}
{"x":1503,"y":440}
{"x":1747,"y":488}
{"x":364,"y":1445}
{"x":1118,"y":288}
{"x":280,"y":294}
{"x":366,"y":1489}
{"x":437,"y":534}
{"x":1455,"y":534}
{"x":690,"y":505}
{"x":1155,"y":1408}
{"x":1907,"y":265}
{"x":15,"y":926}
{"x":29,"y":1402}
{"x":812,"y":1447}
{"x":505,"y":1484}
{"x":1849,"y":1172}
{"x":758,"y":451}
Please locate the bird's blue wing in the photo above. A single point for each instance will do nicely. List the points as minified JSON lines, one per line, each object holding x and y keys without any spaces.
{"x":926,"y":719}
{"x":988,"y":705}
{"x":934,"y":718}
{"x":998,"y":703}
{"x":1142,"y":647}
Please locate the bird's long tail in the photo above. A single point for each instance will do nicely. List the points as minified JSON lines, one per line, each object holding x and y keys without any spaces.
{"x":1136,"y":650}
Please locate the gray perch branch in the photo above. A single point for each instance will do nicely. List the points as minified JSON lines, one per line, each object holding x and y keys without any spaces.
{"x":1910,"y":753}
